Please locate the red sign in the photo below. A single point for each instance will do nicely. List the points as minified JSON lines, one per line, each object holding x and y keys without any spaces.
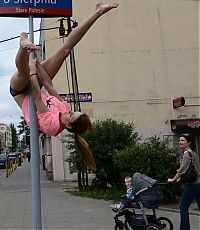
{"x":178,"y":102}
{"x":37,"y":8}
{"x":185,"y":125}
{"x":194,"y":124}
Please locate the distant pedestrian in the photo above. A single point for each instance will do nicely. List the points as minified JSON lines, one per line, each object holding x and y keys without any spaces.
{"x":191,"y":190}
{"x":28,"y":154}
{"x":19,"y":159}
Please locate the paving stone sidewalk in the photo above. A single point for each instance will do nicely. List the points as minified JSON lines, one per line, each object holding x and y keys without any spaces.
{"x":59,"y":209}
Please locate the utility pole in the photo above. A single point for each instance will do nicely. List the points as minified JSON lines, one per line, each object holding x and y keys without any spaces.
{"x":75,"y":89}
{"x":82,"y":172}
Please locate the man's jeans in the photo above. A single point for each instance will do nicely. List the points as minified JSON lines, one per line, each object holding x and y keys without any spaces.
{"x":191,"y":192}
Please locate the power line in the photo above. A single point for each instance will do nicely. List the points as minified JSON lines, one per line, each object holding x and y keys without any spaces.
{"x":12,"y":38}
{"x":16,"y":47}
{"x":44,"y":29}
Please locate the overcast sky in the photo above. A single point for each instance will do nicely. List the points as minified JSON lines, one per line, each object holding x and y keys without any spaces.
{"x":9,"y":28}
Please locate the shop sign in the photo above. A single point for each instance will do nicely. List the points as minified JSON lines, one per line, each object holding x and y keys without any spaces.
{"x":185,"y":125}
{"x":194,"y":124}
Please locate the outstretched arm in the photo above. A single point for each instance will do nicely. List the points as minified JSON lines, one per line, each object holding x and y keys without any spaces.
{"x":35,"y":91}
{"x":46,"y":80}
{"x":175,"y":178}
{"x":54,"y":62}
{"x":35,"y":88}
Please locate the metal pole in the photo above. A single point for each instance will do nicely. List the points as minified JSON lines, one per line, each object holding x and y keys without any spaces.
{"x":77,"y":106}
{"x":74,"y":81}
{"x":35,"y":158}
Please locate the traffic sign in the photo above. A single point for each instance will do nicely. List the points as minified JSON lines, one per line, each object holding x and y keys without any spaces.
{"x":36,"y":8}
{"x":83,"y":97}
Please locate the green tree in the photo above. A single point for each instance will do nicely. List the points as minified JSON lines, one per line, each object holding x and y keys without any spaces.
{"x":24,"y":131}
{"x":15,"y":137}
{"x":109,"y":136}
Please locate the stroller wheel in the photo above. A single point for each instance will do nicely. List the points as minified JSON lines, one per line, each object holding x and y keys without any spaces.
{"x":121,"y":226}
{"x":152,"y":227}
{"x":165,"y":223}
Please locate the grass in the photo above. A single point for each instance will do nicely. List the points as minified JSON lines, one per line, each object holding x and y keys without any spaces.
{"x":111,"y":194}
{"x":103,"y":194}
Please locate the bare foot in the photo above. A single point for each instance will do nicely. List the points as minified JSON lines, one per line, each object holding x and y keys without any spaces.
{"x":102,"y":8}
{"x":26,"y":44}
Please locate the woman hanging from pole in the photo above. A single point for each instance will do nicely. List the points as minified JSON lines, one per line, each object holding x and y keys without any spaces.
{"x":53,"y":115}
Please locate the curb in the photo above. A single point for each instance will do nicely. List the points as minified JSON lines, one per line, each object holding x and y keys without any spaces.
{"x":191,"y":212}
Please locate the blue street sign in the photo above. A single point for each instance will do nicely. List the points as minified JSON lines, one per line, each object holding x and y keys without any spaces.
{"x":83,"y":97}
{"x":37,"y":8}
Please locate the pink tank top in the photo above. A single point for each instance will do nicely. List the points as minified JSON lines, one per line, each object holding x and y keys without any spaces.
{"x":48,"y":122}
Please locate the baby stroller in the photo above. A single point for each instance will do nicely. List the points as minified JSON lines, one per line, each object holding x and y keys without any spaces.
{"x":147,"y":197}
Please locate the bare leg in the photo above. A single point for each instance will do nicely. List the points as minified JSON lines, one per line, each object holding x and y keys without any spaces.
{"x":54,"y":62}
{"x":21,"y":78}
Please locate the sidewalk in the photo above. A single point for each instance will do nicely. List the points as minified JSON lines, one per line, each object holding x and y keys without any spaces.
{"x":193,"y":210}
{"x":59,"y":209}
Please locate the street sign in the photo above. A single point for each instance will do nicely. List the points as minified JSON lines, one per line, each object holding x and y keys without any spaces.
{"x":83,"y":97}
{"x":36,"y":8}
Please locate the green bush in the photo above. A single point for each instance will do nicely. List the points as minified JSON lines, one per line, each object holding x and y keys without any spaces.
{"x":118,"y":153}
{"x":152,"y":158}
{"x":108,"y":137}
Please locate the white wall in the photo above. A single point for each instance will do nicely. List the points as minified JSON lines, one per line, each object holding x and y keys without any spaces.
{"x":135,"y":59}
{"x":57,"y":156}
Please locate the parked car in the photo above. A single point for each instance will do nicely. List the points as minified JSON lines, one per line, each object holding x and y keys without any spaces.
{"x":13,"y":156}
{"x":3,"y":160}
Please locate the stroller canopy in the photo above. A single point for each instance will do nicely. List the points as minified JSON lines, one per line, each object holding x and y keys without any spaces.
{"x":150,"y":198}
{"x":141,"y":181}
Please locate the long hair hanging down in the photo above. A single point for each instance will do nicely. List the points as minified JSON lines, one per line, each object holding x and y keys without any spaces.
{"x":85,"y":151}
{"x":79,"y":126}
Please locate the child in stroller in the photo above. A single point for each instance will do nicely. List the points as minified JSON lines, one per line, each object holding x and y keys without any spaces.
{"x":147,"y":195}
{"x":129,"y":194}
